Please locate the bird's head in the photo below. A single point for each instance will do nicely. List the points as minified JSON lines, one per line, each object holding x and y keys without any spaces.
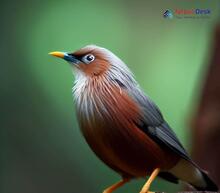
{"x":89,"y":60}
{"x":93,"y":62}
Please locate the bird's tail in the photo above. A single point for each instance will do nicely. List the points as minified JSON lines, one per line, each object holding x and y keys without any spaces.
{"x":210,"y":185}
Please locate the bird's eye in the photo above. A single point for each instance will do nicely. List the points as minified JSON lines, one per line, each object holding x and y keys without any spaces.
{"x":88,"y":58}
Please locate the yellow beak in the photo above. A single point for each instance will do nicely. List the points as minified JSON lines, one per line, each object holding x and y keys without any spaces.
{"x":57,"y":54}
{"x":68,"y":57}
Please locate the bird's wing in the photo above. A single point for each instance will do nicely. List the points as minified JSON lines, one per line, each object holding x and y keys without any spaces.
{"x":153,"y":124}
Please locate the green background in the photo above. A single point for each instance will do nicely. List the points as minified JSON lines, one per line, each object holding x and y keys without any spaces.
{"x":42,"y":150}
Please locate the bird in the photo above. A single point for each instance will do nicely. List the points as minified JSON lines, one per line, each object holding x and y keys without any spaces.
{"x":123,"y":126}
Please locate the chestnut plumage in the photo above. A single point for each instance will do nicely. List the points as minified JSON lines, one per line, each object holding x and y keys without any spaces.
{"x":122,"y":125}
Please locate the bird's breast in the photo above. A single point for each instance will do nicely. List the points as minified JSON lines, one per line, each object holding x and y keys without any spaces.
{"x":103,"y":110}
{"x":107,"y":117}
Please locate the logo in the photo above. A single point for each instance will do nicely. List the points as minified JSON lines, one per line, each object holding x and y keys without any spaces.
{"x":168,"y":14}
{"x":187,"y":13}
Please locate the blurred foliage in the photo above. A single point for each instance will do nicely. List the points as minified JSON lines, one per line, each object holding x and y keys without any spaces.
{"x":42,"y":149}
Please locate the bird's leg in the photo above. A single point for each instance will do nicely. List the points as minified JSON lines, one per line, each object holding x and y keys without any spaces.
{"x":116,"y":186}
{"x":146,"y":186}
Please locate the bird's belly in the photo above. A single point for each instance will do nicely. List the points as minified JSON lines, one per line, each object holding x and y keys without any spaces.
{"x":131,"y":154}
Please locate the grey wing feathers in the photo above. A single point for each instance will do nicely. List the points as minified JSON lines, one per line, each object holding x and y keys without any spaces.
{"x":163,"y":134}
{"x":153,"y":124}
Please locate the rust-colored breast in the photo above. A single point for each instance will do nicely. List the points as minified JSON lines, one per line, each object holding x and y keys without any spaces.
{"x":115,"y":138}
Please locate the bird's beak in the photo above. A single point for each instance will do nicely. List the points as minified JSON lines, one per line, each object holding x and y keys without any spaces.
{"x":68,"y":57}
{"x":58,"y":54}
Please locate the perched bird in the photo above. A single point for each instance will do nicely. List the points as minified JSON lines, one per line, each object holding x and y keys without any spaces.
{"x":123,"y":126}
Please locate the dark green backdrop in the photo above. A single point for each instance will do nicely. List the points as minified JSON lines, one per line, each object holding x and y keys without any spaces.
{"x":41,"y":148}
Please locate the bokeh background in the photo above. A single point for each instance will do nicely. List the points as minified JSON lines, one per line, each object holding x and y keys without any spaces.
{"x":41,"y":147}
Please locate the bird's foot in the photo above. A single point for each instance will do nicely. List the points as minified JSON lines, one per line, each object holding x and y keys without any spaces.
{"x":115,"y":186}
